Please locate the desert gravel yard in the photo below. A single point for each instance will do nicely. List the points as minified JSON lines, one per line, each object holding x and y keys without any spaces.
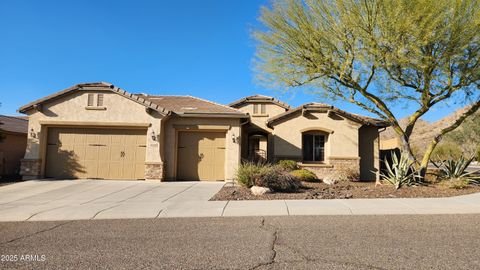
{"x":344,"y":190}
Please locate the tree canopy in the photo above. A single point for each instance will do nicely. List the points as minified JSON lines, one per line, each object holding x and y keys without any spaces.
{"x":376,"y":55}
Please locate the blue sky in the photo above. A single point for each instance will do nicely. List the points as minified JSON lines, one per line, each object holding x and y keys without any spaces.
{"x":200,"y":48}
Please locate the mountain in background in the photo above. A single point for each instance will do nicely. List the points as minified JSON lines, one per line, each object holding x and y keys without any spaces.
{"x":466,"y":137}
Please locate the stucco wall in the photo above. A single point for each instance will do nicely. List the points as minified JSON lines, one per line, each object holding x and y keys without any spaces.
{"x":72,"y":108}
{"x":369,"y":153}
{"x":12,"y":150}
{"x":232,"y":151}
{"x":260,"y":119}
{"x":341,"y":143}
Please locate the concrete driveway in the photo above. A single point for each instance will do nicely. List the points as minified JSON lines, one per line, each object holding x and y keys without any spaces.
{"x":96,"y":199}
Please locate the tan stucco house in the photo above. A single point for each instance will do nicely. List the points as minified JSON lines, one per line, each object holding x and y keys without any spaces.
{"x":99,"y":131}
{"x":13,"y":131}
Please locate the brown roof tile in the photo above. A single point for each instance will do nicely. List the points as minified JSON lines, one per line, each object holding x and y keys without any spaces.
{"x":17,"y":124}
{"x":259,"y":98}
{"x":321,"y":106}
{"x":185,"y":105}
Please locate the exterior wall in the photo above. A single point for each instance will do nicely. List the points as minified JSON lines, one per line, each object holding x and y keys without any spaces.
{"x":232,"y":149}
{"x":260,"y":119}
{"x":12,"y":150}
{"x":342,"y":142}
{"x":72,"y":110}
{"x":369,"y":153}
{"x":341,"y":145}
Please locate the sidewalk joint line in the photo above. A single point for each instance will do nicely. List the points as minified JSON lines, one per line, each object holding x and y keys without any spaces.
{"x":286,"y":205}
{"x":224,"y":207}
{"x":180,"y":192}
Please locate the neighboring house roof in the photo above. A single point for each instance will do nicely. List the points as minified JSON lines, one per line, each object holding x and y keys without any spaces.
{"x":258,"y":99}
{"x":16,"y":124}
{"x":95,"y":86}
{"x":188,"y":105}
{"x":369,"y":121}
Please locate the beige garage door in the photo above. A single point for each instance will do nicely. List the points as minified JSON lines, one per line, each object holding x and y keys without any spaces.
{"x":95,"y":153}
{"x":201,"y":156}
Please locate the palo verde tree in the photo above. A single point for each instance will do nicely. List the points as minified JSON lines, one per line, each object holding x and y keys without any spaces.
{"x":377,"y":55}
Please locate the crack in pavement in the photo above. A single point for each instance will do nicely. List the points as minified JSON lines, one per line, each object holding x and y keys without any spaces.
{"x":36,"y":233}
{"x":272,"y":245}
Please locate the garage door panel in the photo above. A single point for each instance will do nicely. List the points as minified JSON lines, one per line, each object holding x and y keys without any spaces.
{"x":95,"y":153}
{"x":201,"y":156}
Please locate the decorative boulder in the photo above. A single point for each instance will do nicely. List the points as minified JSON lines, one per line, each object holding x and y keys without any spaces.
{"x":257,"y":191}
{"x":330,"y":180}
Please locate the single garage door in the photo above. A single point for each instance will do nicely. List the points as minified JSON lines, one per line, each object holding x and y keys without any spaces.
{"x":201,"y":156}
{"x":95,"y":153}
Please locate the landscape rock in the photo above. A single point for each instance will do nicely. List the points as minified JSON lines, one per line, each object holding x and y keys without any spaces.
{"x":258,"y":191}
{"x":330,"y":180}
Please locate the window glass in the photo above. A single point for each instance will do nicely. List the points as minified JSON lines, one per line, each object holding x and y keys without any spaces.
{"x":313,"y":147}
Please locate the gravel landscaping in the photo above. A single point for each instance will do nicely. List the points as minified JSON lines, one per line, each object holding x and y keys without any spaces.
{"x":344,"y":190}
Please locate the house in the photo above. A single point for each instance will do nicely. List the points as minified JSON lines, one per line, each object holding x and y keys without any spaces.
{"x":13,"y":131}
{"x":97,"y":130}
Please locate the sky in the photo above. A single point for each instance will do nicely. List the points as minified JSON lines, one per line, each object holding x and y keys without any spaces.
{"x":177,"y":47}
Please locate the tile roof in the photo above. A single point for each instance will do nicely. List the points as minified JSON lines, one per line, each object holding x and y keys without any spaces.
{"x":95,"y":86}
{"x":259,"y":98}
{"x":184,"y":105}
{"x":314,"y":106}
{"x":17,"y":124}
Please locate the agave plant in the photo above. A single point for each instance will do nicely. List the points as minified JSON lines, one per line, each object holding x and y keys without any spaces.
{"x":401,"y":172}
{"x":457,"y":169}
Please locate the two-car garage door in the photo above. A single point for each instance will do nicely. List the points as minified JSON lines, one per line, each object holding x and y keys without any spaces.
{"x":95,"y":153}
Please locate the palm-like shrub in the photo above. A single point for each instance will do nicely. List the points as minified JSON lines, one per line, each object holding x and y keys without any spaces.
{"x":400,"y":173}
{"x":457,"y":169}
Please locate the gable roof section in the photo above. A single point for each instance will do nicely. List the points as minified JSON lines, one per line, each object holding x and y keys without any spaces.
{"x":16,"y":124}
{"x":193,"y":106}
{"x":258,"y":99}
{"x":96,"y":86}
{"x":319,"y":107}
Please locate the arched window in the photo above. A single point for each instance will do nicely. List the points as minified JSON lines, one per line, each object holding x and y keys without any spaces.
{"x":313,"y":146}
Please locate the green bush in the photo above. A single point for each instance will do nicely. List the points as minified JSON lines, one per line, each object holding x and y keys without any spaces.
{"x":304,"y":175}
{"x":447,"y":150}
{"x":288,"y":165}
{"x":277,"y":179}
{"x":457,"y":170}
{"x":247,"y":173}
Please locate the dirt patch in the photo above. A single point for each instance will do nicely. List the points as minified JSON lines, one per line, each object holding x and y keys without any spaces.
{"x":344,"y":190}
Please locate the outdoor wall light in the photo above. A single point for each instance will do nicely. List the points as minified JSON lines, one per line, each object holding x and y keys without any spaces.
{"x":234,"y":139}
{"x":32,"y":133}
{"x":154,"y":137}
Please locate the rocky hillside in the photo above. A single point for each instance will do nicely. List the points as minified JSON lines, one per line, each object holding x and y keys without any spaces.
{"x":424,"y":131}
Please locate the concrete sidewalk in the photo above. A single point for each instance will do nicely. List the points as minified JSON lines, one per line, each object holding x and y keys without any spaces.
{"x":94,"y":199}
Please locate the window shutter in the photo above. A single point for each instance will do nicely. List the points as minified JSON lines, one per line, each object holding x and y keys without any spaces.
{"x":90,"y":100}
{"x":100,"y":100}
{"x":255,"y":108}
{"x":263,"y":109}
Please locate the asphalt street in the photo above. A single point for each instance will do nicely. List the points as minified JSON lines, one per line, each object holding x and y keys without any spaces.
{"x":322,"y":242}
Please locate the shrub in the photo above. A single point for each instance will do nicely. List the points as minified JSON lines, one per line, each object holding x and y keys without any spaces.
{"x":277,"y":179}
{"x":457,"y":170}
{"x":447,"y":150}
{"x":288,"y":165}
{"x":247,"y":172}
{"x":400,"y":173}
{"x":455,"y":183}
{"x":304,"y":175}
